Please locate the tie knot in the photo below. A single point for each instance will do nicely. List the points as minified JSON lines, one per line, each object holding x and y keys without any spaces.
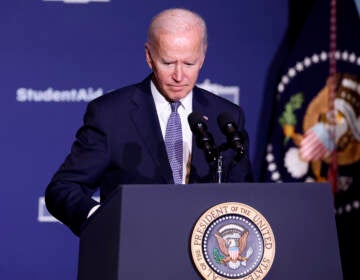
{"x":175,"y":105}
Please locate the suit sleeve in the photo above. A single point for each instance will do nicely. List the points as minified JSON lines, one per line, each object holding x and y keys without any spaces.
{"x":68,"y":195}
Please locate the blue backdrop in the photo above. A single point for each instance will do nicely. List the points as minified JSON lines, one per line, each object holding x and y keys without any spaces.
{"x":57,"y":55}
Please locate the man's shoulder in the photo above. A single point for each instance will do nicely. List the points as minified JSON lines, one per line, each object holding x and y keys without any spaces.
{"x":212,"y":98}
{"x":120,"y":95}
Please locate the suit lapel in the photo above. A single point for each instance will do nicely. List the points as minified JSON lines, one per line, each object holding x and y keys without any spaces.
{"x":147,"y":123}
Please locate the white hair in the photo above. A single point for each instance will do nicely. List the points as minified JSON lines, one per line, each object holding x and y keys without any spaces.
{"x":174,"y":21}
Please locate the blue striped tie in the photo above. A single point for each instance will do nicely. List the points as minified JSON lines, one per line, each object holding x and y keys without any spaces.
{"x":174,"y":143}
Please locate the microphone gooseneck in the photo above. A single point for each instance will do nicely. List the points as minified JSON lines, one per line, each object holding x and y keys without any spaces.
{"x":204,"y":139}
{"x":234,"y":138}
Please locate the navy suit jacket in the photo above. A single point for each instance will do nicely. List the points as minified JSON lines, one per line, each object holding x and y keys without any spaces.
{"x":121,"y":143}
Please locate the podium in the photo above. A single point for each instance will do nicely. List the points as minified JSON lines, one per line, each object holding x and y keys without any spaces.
{"x":144,"y":231}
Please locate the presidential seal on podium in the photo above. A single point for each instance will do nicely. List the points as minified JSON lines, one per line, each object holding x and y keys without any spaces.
{"x":232,"y":240}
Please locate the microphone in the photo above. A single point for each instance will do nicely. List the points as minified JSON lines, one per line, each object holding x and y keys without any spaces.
{"x":233,"y":136}
{"x":204,"y":139}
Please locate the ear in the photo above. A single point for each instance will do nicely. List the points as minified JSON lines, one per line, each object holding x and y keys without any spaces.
{"x":204,"y":49}
{"x":148,"y":56}
{"x":202,"y":62}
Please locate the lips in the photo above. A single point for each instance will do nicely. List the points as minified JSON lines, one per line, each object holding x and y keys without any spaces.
{"x":177,"y":87}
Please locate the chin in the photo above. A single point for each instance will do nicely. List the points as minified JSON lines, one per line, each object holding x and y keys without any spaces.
{"x":176,"y":95}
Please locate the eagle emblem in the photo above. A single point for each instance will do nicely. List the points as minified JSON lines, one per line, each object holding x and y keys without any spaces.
{"x":232,"y":241}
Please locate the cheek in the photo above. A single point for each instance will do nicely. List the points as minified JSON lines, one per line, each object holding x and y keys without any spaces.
{"x":192,"y":74}
{"x":162,"y":75}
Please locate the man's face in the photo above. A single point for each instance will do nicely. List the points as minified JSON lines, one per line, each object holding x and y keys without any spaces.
{"x":176,"y":60}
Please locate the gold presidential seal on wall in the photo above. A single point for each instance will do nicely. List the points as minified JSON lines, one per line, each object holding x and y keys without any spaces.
{"x":232,"y":240}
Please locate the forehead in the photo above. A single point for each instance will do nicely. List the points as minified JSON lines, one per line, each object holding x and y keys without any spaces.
{"x":181,"y":44}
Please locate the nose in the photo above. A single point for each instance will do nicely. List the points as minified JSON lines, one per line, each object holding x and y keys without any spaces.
{"x":178,"y":73}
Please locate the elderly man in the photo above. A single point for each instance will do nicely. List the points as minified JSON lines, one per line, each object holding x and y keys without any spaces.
{"x":139,"y":134}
